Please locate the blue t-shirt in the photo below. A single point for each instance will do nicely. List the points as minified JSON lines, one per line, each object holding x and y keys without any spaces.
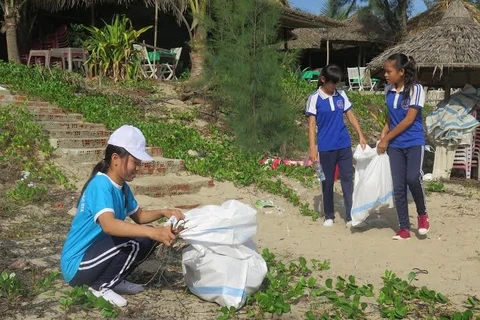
{"x":398,"y":106}
{"x":328,"y":110}
{"x":101,"y":195}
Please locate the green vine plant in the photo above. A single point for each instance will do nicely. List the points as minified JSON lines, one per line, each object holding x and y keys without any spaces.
{"x":25,"y":157}
{"x":344,"y":297}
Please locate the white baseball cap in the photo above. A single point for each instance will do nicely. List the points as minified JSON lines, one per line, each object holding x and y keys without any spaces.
{"x":131,"y":139}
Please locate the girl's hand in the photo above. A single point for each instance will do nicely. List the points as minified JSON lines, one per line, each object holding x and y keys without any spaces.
{"x":163,"y":235}
{"x":313,"y":155}
{"x":173,"y":212}
{"x":382,"y":146}
{"x":363,"y":141}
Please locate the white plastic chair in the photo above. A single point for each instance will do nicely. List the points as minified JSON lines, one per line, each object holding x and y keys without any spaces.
{"x":354,"y":78}
{"x":365,"y":79}
{"x":467,"y":156}
{"x":147,"y":67}
{"x":167,"y":70}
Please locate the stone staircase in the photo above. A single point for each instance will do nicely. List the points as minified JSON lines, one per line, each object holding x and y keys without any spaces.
{"x":80,"y":145}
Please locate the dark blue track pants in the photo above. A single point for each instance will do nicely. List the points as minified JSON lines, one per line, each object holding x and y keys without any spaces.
{"x":329,"y":160}
{"x":110,"y":260}
{"x":406,"y":165}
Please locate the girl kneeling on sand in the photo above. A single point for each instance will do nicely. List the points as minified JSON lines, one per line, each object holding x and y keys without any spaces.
{"x":101,"y":248}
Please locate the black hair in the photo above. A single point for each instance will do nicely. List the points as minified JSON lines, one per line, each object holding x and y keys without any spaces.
{"x":409,"y":67}
{"x":103,"y":166}
{"x":332,"y":73}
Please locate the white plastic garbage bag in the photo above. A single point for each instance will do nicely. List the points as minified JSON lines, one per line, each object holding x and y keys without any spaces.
{"x":373,"y":188}
{"x":222,"y":264}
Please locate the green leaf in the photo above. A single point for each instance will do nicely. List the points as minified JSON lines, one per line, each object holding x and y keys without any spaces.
{"x":329,"y":283}
{"x":441,"y":298}
{"x":310,"y":316}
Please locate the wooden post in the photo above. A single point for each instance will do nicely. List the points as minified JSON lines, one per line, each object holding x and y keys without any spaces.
{"x":92,"y":12}
{"x":359,"y":64}
{"x":155,"y":33}
{"x":309,"y":58}
{"x":448,"y":85}
{"x":328,"y":51}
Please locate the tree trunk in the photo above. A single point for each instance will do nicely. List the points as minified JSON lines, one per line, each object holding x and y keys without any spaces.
{"x":402,"y":19}
{"x":197,"y":52}
{"x":11,"y":35}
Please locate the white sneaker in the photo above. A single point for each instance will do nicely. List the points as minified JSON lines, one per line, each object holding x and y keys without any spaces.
{"x":348,"y":224}
{"x":328,"y":223}
{"x":127,"y":287}
{"x":111,"y":296}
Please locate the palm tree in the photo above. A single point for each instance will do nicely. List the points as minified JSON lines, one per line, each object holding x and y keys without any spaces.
{"x":339,"y":9}
{"x":11,"y":14}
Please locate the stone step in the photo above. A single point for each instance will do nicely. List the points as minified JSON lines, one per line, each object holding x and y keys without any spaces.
{"x":42,"y":109}
{"x":59,"y":125}
{"x":70,"y":117}
{"x":26,"y":103}
{"x":160,"y":166}
{"x":168,"y":185}
{"x":7,"y":96}
{"x":79,"y":142}
{"x":79,"y":155}
{"x":77,"y":133}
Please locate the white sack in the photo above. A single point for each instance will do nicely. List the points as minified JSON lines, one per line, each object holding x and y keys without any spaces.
{"x":221,"y":264}
{"x":373,"y":188}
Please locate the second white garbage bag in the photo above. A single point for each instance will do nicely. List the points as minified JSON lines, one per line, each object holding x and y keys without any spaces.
{"x":221,"y":264}
{"x":373,"y":187}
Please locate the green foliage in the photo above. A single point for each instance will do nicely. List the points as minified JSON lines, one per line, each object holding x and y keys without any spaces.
{"x":399,"y":297}
{"x":436,"y":186}
{"x":226,"y":313}
{"x":46,"y":283}
{"x":111,"y":49}
{"x":82,"y":296}
{"x":25,"y":156}
{"x":344,"y":297}
{"x":77,"y":35}
{"x":10,"y":286}
{"x":296,"y":91}
{"x":338,"y":9}
{"x":245,"y":69}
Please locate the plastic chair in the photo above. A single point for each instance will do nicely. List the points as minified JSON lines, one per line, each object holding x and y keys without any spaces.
{"x":148,"y":68}
{"x":167,"y":70}
{"x":467,"y":156}
{"x":354,"y":78}
{"x":463,"y":160}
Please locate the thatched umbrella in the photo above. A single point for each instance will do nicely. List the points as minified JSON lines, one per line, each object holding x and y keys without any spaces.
{"x":451,"y":46}
{"x":431,"y":16}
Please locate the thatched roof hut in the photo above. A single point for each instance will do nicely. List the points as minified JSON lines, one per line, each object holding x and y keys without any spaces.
{"x":363,"y":27}
{"x":358,"y":29}
{"x":361,"y":35}
{"x":451,"y":46}
{"x":429,"y":17}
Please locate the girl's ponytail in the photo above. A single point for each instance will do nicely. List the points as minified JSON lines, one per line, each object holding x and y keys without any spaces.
{"x":409,"y":70}
{"x":104,"y":165}
{"x":410,"y":74}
